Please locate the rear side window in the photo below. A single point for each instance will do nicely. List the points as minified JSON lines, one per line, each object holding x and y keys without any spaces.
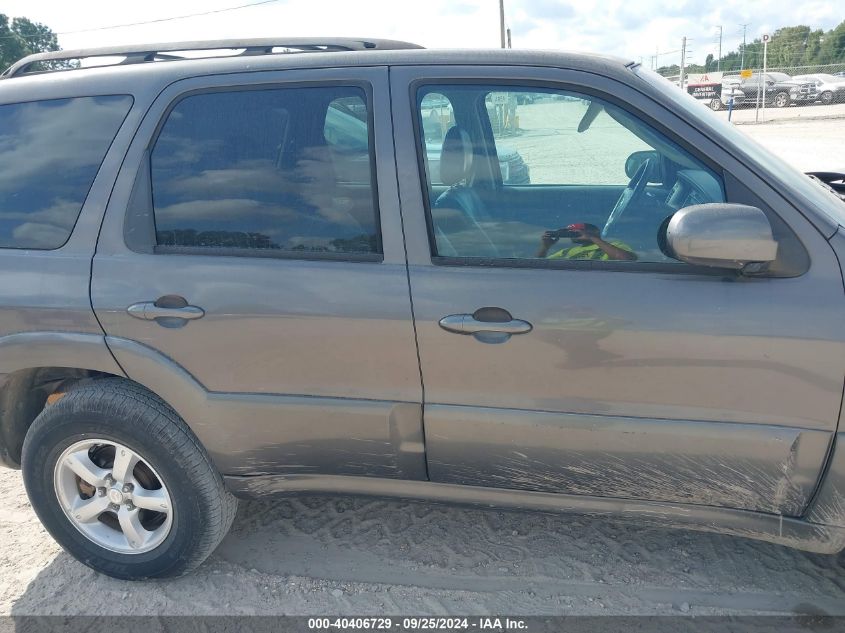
{"x":50,"y":152}
{"x":267,"y":170}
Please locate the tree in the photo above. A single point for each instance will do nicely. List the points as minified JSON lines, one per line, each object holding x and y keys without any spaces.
{"x":832,"y":49}
{"x":790,"y":46}
{"x":23,"y":37}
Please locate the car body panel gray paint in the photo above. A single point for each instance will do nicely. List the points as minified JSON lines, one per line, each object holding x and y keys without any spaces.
{"x":56,"y":349}
{"x":746,"y":466}
{"x":796,"y":533}
{"x":256,"y":434}
{"x":828,"y":507}
{"x":655,"y":348}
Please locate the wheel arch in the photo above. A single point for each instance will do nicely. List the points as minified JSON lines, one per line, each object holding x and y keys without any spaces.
{"x":36,"y":365}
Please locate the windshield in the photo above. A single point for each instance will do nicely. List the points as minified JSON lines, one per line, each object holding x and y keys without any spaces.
{"x":778,"y":76}
{"x":815,"y":194}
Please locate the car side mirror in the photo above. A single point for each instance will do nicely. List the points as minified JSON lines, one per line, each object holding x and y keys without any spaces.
{"x":635,"y":160}
{"x":721,"y":235}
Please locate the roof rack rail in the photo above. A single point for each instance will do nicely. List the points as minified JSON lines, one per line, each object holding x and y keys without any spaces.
{"x":141,"y":53}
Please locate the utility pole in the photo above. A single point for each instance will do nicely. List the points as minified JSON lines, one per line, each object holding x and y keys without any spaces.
{"x":742,"y":57}
{"x":502,"y":21}
{"x":509,"y":38}
{"x":766,"y":39}
{"x":683,"y":60}
{"x":719,"y":59}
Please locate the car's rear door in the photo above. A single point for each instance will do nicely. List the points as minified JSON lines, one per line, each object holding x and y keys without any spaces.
{"x":254,"y":241}
{"x":647,"y":379}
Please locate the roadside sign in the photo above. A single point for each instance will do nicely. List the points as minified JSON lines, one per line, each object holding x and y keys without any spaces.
{"x":704,"y":91}
{"x":766,"y":37}
{"x":745,"y":74}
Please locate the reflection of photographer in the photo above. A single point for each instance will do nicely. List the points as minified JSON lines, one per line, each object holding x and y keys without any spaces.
{"x":588,"y":244}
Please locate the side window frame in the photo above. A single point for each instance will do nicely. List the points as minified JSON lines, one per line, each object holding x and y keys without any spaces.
{"x":139,"y":230}
{"x":682,"y":268}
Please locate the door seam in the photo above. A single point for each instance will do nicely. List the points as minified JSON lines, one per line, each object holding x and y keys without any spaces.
{"x":408,"y":273}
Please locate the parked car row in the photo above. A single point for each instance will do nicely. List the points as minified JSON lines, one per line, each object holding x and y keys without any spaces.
{"x":775,"y":89}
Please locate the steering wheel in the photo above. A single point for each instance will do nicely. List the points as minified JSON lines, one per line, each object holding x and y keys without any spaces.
{"x":633,"y":192}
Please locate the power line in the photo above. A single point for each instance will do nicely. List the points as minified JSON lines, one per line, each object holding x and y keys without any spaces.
{"x":156,"y":21}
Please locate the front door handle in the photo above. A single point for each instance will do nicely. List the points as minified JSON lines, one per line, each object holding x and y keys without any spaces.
{"x":488,"y":325}
{"x":170,"y":311}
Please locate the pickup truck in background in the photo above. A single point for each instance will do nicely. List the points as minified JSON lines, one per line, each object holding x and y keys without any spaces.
{"x":778,"y":90}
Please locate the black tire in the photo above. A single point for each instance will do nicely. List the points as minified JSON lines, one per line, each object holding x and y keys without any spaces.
{"x":781,"y":100}
{"x":826,"y":97}
{"x":716,"y":104}
{"x":121,"y":411}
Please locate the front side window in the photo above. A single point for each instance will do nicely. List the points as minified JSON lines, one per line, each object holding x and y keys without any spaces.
{"x":555,"y":175}
{"x":50,"y":153}
{"x":285,"y":169}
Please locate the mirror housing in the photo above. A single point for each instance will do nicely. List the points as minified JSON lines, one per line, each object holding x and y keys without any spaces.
{"x":635,"y":160}
{"x":721,"y":235}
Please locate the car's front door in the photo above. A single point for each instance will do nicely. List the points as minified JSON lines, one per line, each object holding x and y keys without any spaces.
{"x":599,"y":365}
{"x":247,"y":242}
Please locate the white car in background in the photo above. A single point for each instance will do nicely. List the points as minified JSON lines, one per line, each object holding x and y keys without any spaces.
{"x":831,"y":88}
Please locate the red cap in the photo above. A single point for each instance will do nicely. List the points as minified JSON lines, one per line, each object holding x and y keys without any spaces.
{"x":578,"y":226}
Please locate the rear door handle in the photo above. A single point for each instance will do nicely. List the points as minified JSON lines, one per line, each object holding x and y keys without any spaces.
{"x":149,"y":311}
{"x":487,"y":325}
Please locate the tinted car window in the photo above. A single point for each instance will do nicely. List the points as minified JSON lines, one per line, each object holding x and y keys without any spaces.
{"x":603,"y":182}
{"x":285,"y":169}
{"x":50,"y":152}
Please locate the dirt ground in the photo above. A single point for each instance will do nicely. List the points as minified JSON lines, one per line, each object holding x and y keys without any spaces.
{"x":333,"y":555}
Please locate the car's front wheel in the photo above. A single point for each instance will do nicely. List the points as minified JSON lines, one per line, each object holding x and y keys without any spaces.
{"x":121,"y":483}
{"x":716,"y":104}
{"x":826,"y":97}
{"x":781,"y":100}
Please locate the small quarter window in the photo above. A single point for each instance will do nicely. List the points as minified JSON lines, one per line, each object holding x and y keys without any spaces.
{"x":50,"y":153}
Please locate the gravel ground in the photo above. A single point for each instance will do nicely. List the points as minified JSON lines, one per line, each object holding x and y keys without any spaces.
{"x":333,"y":555}
{"x":808,"y":144}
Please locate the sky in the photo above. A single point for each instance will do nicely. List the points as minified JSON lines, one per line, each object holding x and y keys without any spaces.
{"x":633,"y":29}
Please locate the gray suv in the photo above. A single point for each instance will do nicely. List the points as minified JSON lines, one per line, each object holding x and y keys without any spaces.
{"x":211,"y":293}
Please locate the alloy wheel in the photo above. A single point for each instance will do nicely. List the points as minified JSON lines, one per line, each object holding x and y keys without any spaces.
{"x":113,"y":496}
